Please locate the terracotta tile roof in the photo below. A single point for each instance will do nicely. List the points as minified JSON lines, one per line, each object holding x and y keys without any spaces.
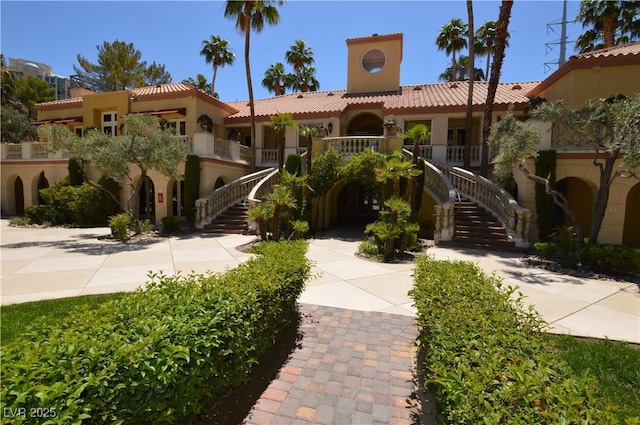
{"x":436,"y":97}
{"x":622,"y":50}
{"x":160,"y":91}
{"x":626,"y":54}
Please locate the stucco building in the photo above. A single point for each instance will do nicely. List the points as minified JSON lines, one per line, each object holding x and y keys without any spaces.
{"x":351,"y":120}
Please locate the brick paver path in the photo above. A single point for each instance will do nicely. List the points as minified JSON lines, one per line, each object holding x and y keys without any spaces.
{"x":351,"y":367}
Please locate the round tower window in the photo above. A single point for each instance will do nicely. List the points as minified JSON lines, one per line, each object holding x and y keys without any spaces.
{"x":373,"y":61}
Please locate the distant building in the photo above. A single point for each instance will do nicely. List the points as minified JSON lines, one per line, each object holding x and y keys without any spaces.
{"x":43,"y":71}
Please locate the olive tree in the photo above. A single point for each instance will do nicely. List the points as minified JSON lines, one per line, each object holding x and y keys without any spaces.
{"x":143,"y":146}
{"x":610,"y":126}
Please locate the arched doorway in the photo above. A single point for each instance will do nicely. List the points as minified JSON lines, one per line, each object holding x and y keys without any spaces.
{"x":365,"y":125}
{"x":356,"y":206}
{"x":580,"y":197}
{"x":219,"y":183}
{"x":146,"y":200}
{"x":18,"y":191}
{"x":631,"y":230}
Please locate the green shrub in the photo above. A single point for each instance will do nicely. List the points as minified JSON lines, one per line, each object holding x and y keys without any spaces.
{"x":369,"y":248}
{"x":191,"y":186}
{"x":546,"y":249}
{"x":170,"y":224}
{"x":119,"y":225}
{"x":485,"y":357}
{"x":39,"y":214}
{"x":20,"y":221}
{"x":610,"y":258}
{"x":74,"y":205}
{"x":75,"y":172}
{"x":43,"y":183}
{"x":293,"y":164}
{"x":161,"y":354}
{"x":109,"y":205}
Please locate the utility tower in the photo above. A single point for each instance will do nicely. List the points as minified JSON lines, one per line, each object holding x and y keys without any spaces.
{"x":562,"y":41}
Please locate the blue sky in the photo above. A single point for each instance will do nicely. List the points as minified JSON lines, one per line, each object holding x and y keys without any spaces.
{"x":171,"y":33}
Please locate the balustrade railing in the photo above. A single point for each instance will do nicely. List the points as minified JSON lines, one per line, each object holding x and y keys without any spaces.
{"x":215,"y":202}
{"x":245,"y":153}
{"x":222,"y":148}
{"x":269,"y":156}
{"x":426,"y":151}
{"x":437,"y":184}
{"x":188,"y":141}
{"x":565,"y":138}
{"x":517,"y":220}
{"x":353,"y":145}
{"x":455,"y":154}
{"x":14,"y":151}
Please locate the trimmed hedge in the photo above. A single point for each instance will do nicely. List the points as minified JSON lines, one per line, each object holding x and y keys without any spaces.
{"x":485,"y":358}
{"x":609,"y":258}
{"x":159,"y":355}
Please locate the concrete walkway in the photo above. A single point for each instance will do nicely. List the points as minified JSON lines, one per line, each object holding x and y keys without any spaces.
{"x":57,"y":262}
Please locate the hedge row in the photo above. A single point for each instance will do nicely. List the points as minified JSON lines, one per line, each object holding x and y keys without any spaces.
{"x":486,"y":360}
{"x":161,"y":354}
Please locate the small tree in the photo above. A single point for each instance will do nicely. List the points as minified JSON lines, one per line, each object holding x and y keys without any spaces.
{"x":281,"y":122}
{"x":613,"y":129}
{"x":282,"y":201}
{"x":142,"y":147}
{"x":43,"y":183}
{"x":323,"y":176}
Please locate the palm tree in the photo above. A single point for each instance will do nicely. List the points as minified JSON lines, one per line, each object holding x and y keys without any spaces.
{"x":419,"y":134}
{"x":299,"y":55}
{"x":501,"y":43}
{"x":281,"y":122}
{"x":463,"y":71}
{"x":608,"y":19}
{"x":252,"y":15}
{"x":282,"y":201}
{"x":485,"y":40}
{"x":276,"y":80}
{"x":452,"y":39}
{"x":200,"y":83}
{"x":217,"y":53}
{"x":308,"y":80}
{"x":470,"y":68}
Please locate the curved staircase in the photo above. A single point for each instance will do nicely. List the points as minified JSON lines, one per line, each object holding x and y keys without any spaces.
{"x":477,"y":228}
{"x":233,"y":220}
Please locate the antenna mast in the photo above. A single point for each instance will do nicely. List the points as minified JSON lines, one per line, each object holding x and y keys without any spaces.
{"x":562,"y":42}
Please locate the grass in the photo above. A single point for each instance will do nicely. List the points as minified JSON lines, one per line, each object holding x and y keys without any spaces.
{"x":614,"y":364}
{"x":16,"y":317}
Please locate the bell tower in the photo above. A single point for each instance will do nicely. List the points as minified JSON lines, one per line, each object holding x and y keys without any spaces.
{"x":374,"y":63}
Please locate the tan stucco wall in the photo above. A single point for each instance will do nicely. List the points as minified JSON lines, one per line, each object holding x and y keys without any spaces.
{"x":613,"y":224}
{"x":580,"y":85}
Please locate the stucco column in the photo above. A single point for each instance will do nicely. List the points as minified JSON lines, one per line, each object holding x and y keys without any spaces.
{"x":203,"y":143}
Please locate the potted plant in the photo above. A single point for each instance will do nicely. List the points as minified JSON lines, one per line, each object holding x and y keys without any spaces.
{"x":390,"y":126}
{"x":206,"y":123}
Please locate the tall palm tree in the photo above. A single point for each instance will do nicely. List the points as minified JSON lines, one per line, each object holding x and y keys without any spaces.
{"x":308,"y":80}
{"x":299,"y":55}
{"x":200,"y":82}
{"x":452,"y":39}
{"x":501,"y":43}
{"x":216,"y":52}
{"x":470,"y":69}
{"x":608,"y":19}
{"x":251,"y":16}
{"x":485,"y":39}
{"x":276,"y":80}
{"x":281,"y":122}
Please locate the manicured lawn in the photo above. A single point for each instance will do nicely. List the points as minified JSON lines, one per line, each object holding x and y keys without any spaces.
{"x":616,"y":366}
{"x":15,"y":318}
